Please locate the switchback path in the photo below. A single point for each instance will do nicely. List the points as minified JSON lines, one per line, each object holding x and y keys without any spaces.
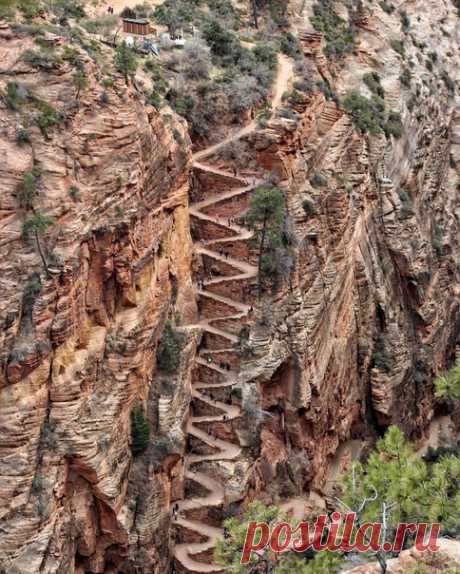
{"x":218,"y":450}
{"x":285,"y":72}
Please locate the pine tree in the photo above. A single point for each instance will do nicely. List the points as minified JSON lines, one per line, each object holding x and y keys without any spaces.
{"x":125,"y":61}
{"x":140,"y":431}
{"x":169,"y":349}
{"x":228,"y":552}
{"x":266,"y":217}
{"x":396,"y":486}
{"x":448,"y":386}
{"x":36,"y":225}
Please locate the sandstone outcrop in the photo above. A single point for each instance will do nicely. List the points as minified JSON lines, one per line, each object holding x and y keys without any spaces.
{"x":79,"y":340}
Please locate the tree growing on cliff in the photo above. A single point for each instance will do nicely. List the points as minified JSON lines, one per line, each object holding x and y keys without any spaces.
{"x":125,"y":61}
{"x":395,"y":486}
{"x":169,"y":349}
{"x":266,"y":218}
{"x":448,"y":385}
{"x":228,"y":551}
{"x":140,"y":430}
{"x":36,"y":226}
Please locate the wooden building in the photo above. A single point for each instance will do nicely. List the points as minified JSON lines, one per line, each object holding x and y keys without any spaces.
{"x":138,"y":27}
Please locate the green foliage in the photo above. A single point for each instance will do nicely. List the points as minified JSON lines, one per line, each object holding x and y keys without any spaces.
{"x":27,"y":190}
{"x":169,"y":349}
{"x":37,"y":224}
{"x":448,"y":385}
{"x":398,"y":46}
{"x":47,"y":117}
{"x":155,"y":99}
{"x":13,"y":97}
{"x":339,"y":35}
{"x":370,"y":115}
{"x":396,"y":476}
{"x":318,"y":180}
{"x":7,"y":8}
{"x":32,"y":290}
{"x":125,"y":61}
{"x":437,"y":241}
{"x":387,"y":7}
{"x":45,"y":59}
{"x":393,"y":126}
{"x":71,"y":55}
{"x":22,"y":136}
{"x":68,"y":9}
{"x":381,"y":357}
{"x":140,"y":431}
{"x":406,"y":77}
{"x":308,"y":207}
{"x":227,"y":553}
{"x":289,"y":45}
{"x":372,"y":81}
{"x":266,"y":217}
{"x":367,"y":114}
{"x":74,"y":193}
{"x":80,"y":81}
{"x":405,"y":22}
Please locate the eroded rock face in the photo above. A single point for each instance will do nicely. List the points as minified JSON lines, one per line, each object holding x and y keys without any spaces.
{"x":79,"y":341}
{"x":370,"y":314}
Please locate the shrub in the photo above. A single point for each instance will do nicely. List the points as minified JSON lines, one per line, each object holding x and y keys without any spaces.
{"x":372,"y":81}
{"x":140,"y":431}
{"x":47,"y":117}
{"x":22,"y":136}
{"x":405,"y":77}
{"x":339,"y":34}
{"x":32,"y":290}
{"x":437,"y":241}
{"x":13,"y":97}
{"x":74,"y":193}
{"x":394,"y":125}
{"x":308,"y":207}
{"x":387,"y":7}
{"x":398,"y":46}
{"x":44,"y":59}
{"x":289,"y":45}
{"x":196,"y":61}
{"x":367,"y":114}
{"x":27,"y":190}
{"x":405,"y":22}
{"x":318,"y":180}
{"x":169,"y":349}
{"x":381,"y":358}
{"x":125,"y":61}
{"x":155,"y":100}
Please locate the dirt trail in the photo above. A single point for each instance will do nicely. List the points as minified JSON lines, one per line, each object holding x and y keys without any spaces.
{"x":285,"y":72}
{"x":221,"y":450}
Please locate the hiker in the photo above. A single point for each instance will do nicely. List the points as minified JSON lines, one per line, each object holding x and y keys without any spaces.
{"x":235,"y":170}
{"x":225,"y":418}
{"x":226,"y":533}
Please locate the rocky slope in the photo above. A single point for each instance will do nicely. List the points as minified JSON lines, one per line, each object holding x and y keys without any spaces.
{"x":351,"y":342}
{"x":346,"y":342}
{"x":79,"y":341}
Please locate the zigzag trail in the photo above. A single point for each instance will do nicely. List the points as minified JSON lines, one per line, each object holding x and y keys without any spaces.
{"x":222,"y":450}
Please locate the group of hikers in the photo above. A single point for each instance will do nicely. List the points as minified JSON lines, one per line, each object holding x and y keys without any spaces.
{"x":110,"y":10}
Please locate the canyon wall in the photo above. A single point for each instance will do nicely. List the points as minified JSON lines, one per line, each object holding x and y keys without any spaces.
{"x":79,"y":339}
{"x":351,"y":342}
